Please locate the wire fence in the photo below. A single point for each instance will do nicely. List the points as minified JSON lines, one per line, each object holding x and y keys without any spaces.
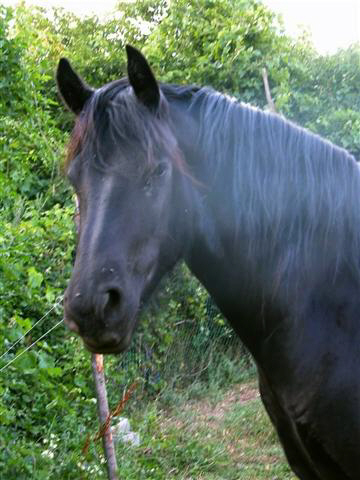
{"x":57,"y":303}
{"x":202,"y":350}
{"x":199,"y":352}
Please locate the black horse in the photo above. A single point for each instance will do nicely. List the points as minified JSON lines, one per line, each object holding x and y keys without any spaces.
{"x":265,"y":214}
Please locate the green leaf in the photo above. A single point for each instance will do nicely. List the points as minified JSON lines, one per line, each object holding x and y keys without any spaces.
{"x":35,"y":278}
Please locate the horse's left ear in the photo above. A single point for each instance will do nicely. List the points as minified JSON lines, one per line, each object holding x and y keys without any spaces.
{"x":142,"y":79}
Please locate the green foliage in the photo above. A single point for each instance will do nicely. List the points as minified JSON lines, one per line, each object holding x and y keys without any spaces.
{"x":224,"y":44}
{"x":35,"y":255}
{"x":10,"y":70}
{"x":30,"y":142}
{"x":325,"y":96}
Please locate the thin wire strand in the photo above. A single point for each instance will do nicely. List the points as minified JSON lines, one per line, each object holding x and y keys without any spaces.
{"x":30,"y":346}
{"x":58,"y":300}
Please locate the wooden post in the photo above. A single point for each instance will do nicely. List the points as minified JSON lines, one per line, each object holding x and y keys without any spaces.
{"x":270,"y":102}
{"x":97,"y":362}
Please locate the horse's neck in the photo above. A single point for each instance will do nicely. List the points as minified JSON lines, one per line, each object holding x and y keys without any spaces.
{"x":216,"y":254}
{"x":206,"y":256}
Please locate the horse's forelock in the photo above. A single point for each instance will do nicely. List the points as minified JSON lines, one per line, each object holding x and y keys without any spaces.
{"x":77,"y":140}
{"x":114,"y":111}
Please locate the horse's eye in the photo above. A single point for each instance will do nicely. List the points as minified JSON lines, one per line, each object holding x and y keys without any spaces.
{"x":160,"y":169}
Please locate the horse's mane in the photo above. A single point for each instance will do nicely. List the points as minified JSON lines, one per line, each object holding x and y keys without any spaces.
{"x":287,"y":187}
{"x":290,"y":189}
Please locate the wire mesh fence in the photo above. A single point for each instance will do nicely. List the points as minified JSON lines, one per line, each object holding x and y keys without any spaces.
{"x":205,"y":351}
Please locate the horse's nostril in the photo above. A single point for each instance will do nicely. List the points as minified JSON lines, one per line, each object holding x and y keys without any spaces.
{"x":114,"y":298}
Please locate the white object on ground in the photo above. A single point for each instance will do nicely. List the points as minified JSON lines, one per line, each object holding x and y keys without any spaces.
{"x":122,"y":433}
{"x":122,"y":426}
{"x":133,"y":438}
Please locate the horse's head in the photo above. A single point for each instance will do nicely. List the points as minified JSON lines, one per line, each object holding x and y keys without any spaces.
{"x":123,"y":163}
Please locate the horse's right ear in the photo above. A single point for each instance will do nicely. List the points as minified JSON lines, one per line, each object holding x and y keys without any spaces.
{"x":72,"y":89}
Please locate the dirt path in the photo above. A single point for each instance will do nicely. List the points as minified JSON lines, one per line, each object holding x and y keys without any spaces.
{"x":237,"y":423}
{"x":215,"y":412}
{"x":210,"y":412}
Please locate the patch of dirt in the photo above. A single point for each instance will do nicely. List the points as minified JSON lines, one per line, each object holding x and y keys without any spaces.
{"x":201,"y":412}
{"x":247,"y":448}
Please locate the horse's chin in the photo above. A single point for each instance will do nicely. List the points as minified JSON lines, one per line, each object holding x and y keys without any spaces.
{"x":114,"y":347}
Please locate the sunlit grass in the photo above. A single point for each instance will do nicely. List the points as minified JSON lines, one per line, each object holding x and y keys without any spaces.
{"x":209,"y":439}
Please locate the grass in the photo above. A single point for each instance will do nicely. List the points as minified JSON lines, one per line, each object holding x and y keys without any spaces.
{"x":224,"y":439}
{"x":213,"y":427}
{"x":202,"y":433}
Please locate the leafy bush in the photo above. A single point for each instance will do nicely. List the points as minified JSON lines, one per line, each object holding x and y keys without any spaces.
{"x":324,"y":96}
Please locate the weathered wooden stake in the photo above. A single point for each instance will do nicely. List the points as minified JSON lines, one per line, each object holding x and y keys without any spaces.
{"x":270,"y":101}
{"x":97,"y":362}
